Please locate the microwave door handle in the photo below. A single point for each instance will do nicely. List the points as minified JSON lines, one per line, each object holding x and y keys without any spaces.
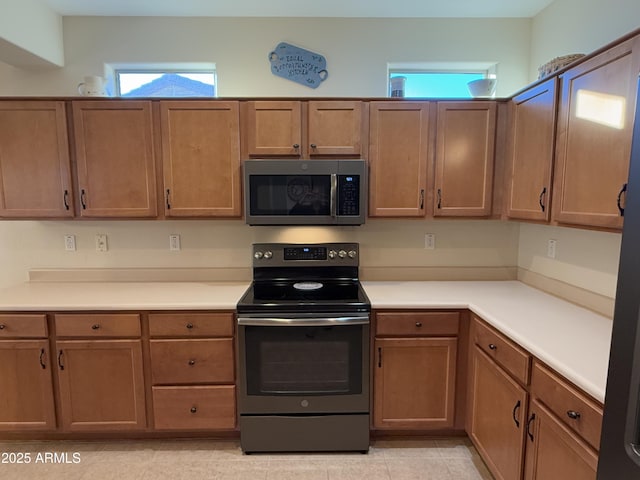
{"x":334,"y":194}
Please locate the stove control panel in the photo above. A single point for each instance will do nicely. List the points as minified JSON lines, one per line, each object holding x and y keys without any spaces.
{"x":287,"y":254}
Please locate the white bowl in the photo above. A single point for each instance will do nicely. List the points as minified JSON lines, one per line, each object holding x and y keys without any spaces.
{"x":485,"y":87}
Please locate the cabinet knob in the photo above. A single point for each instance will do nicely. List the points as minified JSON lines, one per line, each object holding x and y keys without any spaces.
{"x":493,"y":346}
{"x":572,"y":414}
{"x":189,"y":326}
{"x":418,"y":324}
{"x":1,"y":326}
{"x":95,"y":327}
{"x":192,"y":362}
{"x":193,"y":410}
{"x":296,"y":146}
{"x":313,"y":145}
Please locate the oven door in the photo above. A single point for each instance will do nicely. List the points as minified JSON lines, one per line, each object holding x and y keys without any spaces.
{"x":303,"y":365}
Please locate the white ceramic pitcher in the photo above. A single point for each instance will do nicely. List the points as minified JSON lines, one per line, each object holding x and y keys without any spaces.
{"x":93,"y":86}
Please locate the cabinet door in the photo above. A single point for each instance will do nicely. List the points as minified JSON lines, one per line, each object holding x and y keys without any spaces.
{"x":335,"y":128}
{"x":115,"y":157}
{"x":498,"y":416}
{"x":35,"y":178}
{"x":26,"y":389}
{"x":554,"y":452}
{"x":101,"y":385}
{"x":201,"y":158}
{"x":532,"y":151}
{"x":399,"y":148}
{"x":595,"y":125}
{"x":414,"y":383}
{"x":274,"y":128}
{"x":464,"y":158}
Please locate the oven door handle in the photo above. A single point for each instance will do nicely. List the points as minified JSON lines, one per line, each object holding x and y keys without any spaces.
{"x":303,"y":322}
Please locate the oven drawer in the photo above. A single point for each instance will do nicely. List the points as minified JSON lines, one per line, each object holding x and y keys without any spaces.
{"x":23,"y":326}
{"x":194,"y":408}
{"x":573,"y":408}
{"x":409,"y":324}
{"x":98,"y":325}
{"x":505,"y":352}
{"x":218,"y":324}
{"x":192,"y":361}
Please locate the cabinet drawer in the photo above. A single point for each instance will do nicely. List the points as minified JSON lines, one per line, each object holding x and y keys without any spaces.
{"x":21,"y":326}
{"x":573,"y":408}
{"x":192,"y":361}
{"x":98,"y":325}
{"x":193,"y":408}
{"x":417,"y":323}
{"x":506,"y":353}
{"x":191,"y":324}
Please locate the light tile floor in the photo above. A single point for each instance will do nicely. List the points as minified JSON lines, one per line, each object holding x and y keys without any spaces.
{"x":397,"y":459}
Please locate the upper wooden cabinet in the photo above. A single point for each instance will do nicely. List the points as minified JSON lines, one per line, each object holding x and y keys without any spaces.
{"x":304,"y":129}
{"x":201,"y":158}
{"x":35,"y":178}
{"x":115,"y":158}
{"x":531,"y":152}
{"x":595,"y":124}
{"x":398,"y":156}
{"x":465,"y":145}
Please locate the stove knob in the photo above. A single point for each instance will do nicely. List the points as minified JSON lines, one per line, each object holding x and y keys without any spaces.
{"x":268,"y":254}
{"x":257,"y":255}
{"x":342,"y":254}
{"x":352,"y":254}
{"x":332,"y":254}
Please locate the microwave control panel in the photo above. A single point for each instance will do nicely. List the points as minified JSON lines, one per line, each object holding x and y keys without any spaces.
{"x":348,"y":195}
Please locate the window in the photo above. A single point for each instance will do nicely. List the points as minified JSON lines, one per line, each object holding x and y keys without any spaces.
{"x":159,"y":80}
{"x":437,"y":81}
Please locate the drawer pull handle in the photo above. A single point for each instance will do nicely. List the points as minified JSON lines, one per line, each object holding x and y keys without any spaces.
{"x":194,"y":409}
{"x":192,"y":362}
{"x":1,"y":326}
{"x":189,"y":326}
{"x":513,"y":414}
{"x":492,"y":346}
{"x":573,"y":415}
{"x":418,"y":324}
{"x":95,"y":327}
{"x":531,"y":419}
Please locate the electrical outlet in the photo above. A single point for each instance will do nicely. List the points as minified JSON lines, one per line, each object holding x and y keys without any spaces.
{"x":430,"y":241}
{"x":551,"y":248}
{"x":101,"y":243}
{"x":174,"y":242}
{"x":70,"y":243}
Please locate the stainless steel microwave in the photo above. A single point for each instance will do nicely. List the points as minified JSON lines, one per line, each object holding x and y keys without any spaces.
{"x":305,"y":192}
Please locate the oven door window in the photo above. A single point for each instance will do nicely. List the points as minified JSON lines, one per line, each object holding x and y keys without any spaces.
{"x":290,"y":195}
{"x":304,"y":360}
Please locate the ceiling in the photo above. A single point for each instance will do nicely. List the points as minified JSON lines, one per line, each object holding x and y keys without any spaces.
{"x":300,"y":8}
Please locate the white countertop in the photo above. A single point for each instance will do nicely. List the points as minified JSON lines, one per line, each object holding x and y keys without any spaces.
{"x":572,"y":340}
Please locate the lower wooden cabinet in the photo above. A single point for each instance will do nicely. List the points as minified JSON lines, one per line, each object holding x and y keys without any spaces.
{"x":498,"y":417}
{"x":101,"y":385}
{"x":553,"y":451}
{"x":192,"y":371}
{"x":26,"y":389}
{"x":415,"y":373}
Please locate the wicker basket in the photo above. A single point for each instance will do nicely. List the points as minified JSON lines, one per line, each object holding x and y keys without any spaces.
{"x":556,"y":64}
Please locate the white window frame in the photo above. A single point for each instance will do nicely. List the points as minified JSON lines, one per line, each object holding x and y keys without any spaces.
{"x":488,"y":69}
{"x":113,"y":69}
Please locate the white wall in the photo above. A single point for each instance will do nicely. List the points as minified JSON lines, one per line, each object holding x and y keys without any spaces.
{"x":579,"y":26}
{"x":26,"y":245}
{"x":357,"y":51}
{"x":30,"y":34}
